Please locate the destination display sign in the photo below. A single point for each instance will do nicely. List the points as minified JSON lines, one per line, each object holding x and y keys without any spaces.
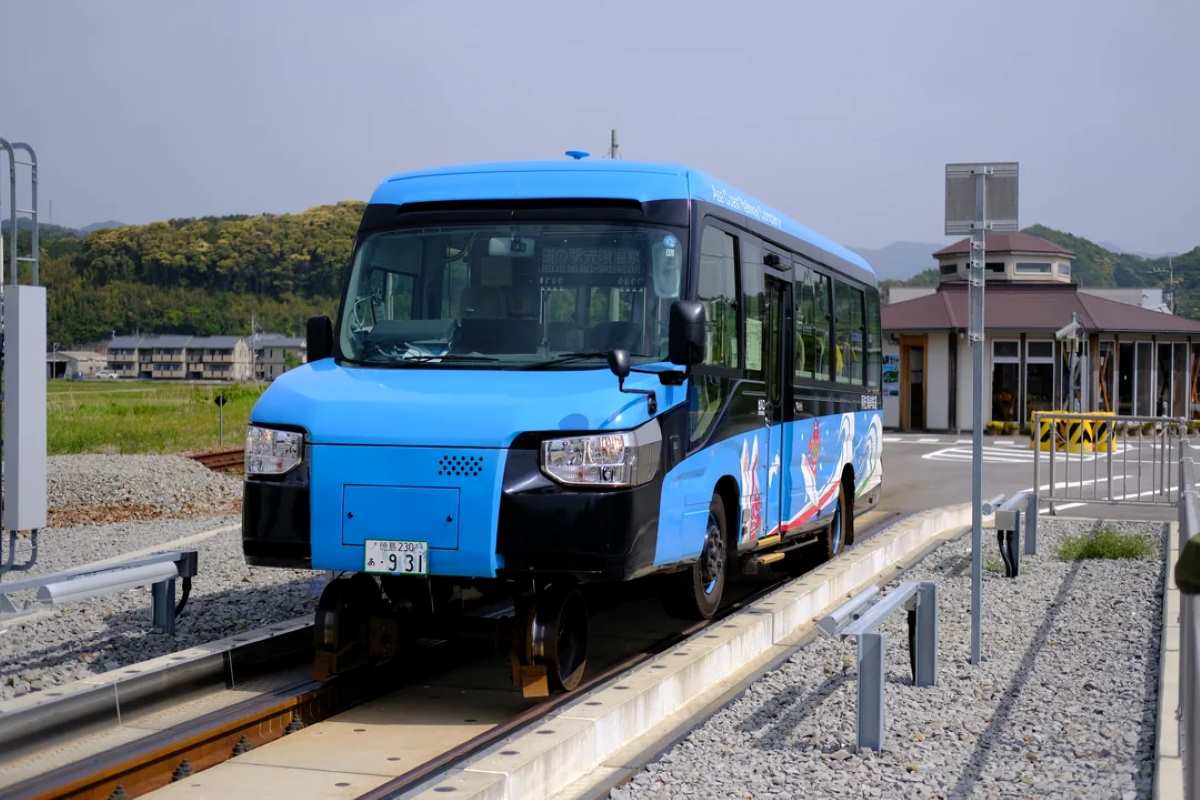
{"x":590,"y":260}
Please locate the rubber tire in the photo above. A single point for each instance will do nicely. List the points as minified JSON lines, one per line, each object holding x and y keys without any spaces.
{"x":835,"y":537}
{"x":685,"y":595}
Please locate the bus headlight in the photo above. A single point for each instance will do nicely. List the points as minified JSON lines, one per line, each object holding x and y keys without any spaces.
{"x":623,"y":458}
{"x":270,"y":451}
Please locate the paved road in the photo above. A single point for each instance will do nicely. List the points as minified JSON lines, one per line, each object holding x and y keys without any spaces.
{"x":923,"y":471}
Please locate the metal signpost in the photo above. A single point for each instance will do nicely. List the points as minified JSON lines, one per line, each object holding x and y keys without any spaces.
{"x":979,"y":197}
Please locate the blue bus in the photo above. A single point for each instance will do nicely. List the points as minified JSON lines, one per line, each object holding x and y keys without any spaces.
{"x":547,"y":374}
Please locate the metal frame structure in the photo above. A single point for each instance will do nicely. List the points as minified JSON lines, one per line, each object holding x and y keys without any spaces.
{"x":1003,"y":218}
{"x":1139,"y":477}
{"x":860,"y":617}
{"x":12,"y":276}
{"x":57,"y":589}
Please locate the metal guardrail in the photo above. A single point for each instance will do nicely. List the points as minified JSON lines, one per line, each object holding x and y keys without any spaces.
{"x":1187,"y":578}
{"x":1104,"y":458}
{"x":860,"y":616}
{"x":1016,"y":515}
{"x":159,"y":571}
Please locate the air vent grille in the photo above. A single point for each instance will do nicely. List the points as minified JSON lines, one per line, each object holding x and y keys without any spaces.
{"x":462,"y":466}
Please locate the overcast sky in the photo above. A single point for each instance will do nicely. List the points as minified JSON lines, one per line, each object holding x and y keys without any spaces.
{"x":840,"y":114}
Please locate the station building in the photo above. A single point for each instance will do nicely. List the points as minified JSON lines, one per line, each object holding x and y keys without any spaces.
{"x":1136,"y":357}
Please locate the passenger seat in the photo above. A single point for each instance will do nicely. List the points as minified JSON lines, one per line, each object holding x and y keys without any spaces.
{"x":485,"y":302}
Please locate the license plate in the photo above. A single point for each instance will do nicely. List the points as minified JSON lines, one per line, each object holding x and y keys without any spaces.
{"x":395,"y":558}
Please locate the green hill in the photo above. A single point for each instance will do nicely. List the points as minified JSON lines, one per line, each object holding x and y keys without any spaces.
{"x":209,"y":275}
{"x":203,"y":276}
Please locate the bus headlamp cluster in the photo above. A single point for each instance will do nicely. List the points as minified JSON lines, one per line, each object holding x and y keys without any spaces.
{"x":623,"y":458}
{"x":270,"y":451}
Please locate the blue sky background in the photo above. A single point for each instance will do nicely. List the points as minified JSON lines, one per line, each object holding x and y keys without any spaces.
{"x":841,"y":114}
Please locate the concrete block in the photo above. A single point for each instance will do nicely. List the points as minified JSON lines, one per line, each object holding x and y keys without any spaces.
{"x":542,"y":761}
{"x":464,"y":785}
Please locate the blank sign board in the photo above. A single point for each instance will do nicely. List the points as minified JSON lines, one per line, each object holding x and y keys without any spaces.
{"x":1000,"y":213}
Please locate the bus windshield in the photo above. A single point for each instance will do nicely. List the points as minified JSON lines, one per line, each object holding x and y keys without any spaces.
{"x":528,"y":295}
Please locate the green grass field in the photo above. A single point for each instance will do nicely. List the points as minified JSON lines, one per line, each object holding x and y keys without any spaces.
{"x":143,"y":416}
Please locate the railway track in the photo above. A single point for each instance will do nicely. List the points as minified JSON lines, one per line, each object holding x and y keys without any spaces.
{"x":194,"y":719}
{"x":229,"y":460}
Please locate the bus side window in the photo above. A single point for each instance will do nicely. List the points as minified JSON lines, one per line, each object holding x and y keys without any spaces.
{"x":874,"y":338}
{"x":717,"y":290}
{"x":848,"y":324}
{"x":816,"y":323}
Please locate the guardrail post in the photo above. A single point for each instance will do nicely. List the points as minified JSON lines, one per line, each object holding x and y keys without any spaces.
{"x":870,"y":690}
{"x":927,"y":635}
{"x":162,"y":595}
{"x":1031,"y":521}
{"x":1187,"y":578}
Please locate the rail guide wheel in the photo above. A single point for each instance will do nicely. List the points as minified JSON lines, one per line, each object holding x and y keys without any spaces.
{"x":550,"y":641}
{"x":352,"y":626}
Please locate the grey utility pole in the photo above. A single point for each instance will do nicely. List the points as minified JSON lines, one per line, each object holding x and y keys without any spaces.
{"x":612,"y":144}
{"x":975,"y":204}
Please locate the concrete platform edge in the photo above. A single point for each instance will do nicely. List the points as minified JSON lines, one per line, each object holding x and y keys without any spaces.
{"x":564,"y":748}
{"x":1168,"y":766}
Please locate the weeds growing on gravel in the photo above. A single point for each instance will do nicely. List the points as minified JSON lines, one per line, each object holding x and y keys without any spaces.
{"x":1105,"y":543}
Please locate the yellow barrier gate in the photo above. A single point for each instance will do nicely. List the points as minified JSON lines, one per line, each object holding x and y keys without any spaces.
{"x":1071,"y":434}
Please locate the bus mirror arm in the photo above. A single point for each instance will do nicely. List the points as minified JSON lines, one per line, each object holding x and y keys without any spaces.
{"x":618,"y":362}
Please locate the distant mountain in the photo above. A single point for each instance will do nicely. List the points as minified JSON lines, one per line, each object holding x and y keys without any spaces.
{"x":101,"y":226}
{"x":899,"y":260}
{"x":1116,"y":248}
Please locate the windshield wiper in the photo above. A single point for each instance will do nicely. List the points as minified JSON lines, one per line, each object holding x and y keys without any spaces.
{"x":566,"y":358}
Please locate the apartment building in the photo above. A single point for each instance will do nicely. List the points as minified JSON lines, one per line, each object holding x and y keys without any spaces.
{"x":275,"y":354}
{"x":179,"y":357}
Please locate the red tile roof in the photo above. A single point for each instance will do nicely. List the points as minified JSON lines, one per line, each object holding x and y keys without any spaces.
{"x":1016,"y":242}
{"x":1045,"y":307}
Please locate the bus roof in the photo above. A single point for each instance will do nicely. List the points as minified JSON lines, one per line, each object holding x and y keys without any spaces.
{"x":585,"y":178}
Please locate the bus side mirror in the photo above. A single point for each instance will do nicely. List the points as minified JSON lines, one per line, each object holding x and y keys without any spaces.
{"x":685,"y":345}
{"x":319,"y":336}
{"x":618,"y":362}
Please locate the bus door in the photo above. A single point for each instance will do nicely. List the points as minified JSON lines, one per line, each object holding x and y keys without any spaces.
{"x":773,"y":330}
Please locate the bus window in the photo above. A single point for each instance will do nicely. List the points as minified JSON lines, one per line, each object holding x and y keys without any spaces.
{"x":848,"y":323}
{"x":812,"y":325}
{"x":874,"y":338}
{"x":752,"y":306}
{"x":716,"y":290}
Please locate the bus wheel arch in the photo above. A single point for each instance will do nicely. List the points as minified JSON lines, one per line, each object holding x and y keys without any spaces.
{"x":695,"y":593}
{"x":727,"y":490}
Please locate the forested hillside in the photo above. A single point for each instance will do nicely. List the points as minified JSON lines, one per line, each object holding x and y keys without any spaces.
{"x":208,"y":275}
{"x":202,"y":276}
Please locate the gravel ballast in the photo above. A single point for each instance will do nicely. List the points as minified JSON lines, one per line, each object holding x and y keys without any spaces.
{"x":105,"y":633}
{"x":104,"y":506}
{"x":88,"y":489}
{"x":1064,"y":704}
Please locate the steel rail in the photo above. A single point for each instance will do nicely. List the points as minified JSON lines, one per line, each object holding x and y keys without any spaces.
{"x":531,"y":716}
{"x":145,"y":764}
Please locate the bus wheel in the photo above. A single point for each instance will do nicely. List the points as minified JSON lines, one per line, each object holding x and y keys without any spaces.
{"x":840,"y":531}
{"x":696,"y":592}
